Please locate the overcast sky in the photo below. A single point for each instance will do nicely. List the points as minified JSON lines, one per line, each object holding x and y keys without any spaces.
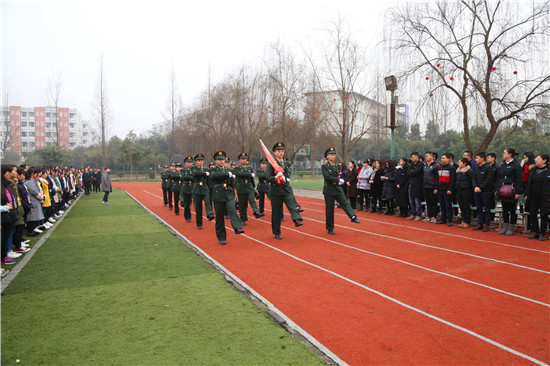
{"x":140,"y":39}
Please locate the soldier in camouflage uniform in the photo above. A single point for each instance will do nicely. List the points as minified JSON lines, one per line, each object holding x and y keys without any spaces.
{"x":201,"y":192}
{"x":175,"y":187}
{"x":281,"y":193}
{"x":245,"y":188}
{"x":262,"y":187}
{"x":187,"y":188}
{"x":333,"y":191}
{"x":165,"y":185}
{"x":224,"y":198}
{"x":170,"y":172}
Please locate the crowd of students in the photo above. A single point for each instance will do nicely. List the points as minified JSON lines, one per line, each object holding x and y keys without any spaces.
{"x":425,"y":188}
{"x":33,"y":199}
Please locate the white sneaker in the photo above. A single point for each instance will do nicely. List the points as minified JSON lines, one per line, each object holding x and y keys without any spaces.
{"x":56,"y":217}
{"x":13,"y":255}
{"x":66,"y":205}
{"x":61,"y":212}
{"x":25,"y":246}
{"x":52,"y":220}
{"x":37,"y":230}
{"x":26,"y":241}
{"x":47,"y":225}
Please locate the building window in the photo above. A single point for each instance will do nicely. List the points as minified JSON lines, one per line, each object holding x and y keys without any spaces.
{"x":31,"y":134}
{"x":48,"y":115}
{"x":71,"y":115}
{"x":23,"y":114}
{"x":12,"y":112}
{"x":84,"y":142}
{"x":71,"y":125}
{"x":65,"y":114}
{"x":84,"y":126}
{"x":31,"y":114}
{"x":48,"y":134}
{"x":42,"y":113}
{"x":24,"y":124}
{"x":24,"y":134}
{"x":73,"y":144}
{"x":31,"y":124}
{"x":84,"y":133}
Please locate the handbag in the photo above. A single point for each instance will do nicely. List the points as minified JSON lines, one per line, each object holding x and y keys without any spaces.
{"x":10,"y":217}
{"x":507,"y":191}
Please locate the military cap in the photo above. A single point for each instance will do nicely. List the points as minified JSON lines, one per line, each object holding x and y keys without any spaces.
{"x":178,"y":164}
{"x":212,"y":163}
{"x":243,"y":156}
{"x":173,"y":164}
{"x":263,"y":160}
{"x":227,"y":159}
{"x":279,"y":146}
{"x":330,"y":150}
{"x":166,"y":167}
{"x":219,"y":155}
{"x":199,"y":157}
{"x":188,"y":159}
{"x":233,"y":164}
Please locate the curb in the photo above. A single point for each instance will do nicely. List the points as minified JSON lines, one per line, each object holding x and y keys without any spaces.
{"x":261,"y":302}
{"x":21,"y":263}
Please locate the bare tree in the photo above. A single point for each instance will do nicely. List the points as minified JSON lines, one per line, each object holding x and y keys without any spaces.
{"x":484,"y":53}
{"x":54,"y":95}
{"x":103,"y":113}
{"x":341,"y":79}
{"x":174,"y":113}
{"x":8,"y":131}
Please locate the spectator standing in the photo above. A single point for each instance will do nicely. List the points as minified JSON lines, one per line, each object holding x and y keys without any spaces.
{"x":539,"y":180}
{"x":344,"y":176}
{"x":106,"y":185}
{"x":528,"y":165}
{"x":402,"y":191}
{"x":376,"y":186}
{"x":36,"y":215}
{"x":363,"y":185}
{"x":351,"y":183}
{"x":430,"y":178}
{"x":468,"y":154}
{"x":483,"y":189}
{"x":444,"y":188}
{"x":416,"y":191}
{"x":509,"y":188}
{"x":389,"y":187}
{"x":465,"y":191}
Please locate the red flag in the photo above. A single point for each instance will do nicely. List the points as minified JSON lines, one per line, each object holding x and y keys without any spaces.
{"x":278,"y":169}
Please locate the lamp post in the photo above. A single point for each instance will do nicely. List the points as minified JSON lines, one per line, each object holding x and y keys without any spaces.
{"x":391,"y":85}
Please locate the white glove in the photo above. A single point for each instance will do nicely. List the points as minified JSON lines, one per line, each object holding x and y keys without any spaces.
{"x":253,"y":175}
{"x":341,"y":182}
{"x":230,"y":175}
{"x":207,"y":174}
{"x":278,"y":175}
{"x":288,"y":180}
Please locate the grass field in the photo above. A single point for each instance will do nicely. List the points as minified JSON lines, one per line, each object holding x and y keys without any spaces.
{"x":112,"y":286}
{"x":314,"y":184}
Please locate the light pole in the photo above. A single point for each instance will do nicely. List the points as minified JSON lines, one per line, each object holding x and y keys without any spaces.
{"x":391,"y":85}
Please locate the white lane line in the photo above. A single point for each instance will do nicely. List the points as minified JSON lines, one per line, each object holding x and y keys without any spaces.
{"x":435,"y":232}
{"x":291,"y":324}
{"x":455,"y":326}
{"x":433,"y":247}
{"x":410,"y":264}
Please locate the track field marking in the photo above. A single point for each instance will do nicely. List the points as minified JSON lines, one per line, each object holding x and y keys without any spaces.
{"x":435,"y":231}
{"x":438,"y":319}
{"x":404,"y":262}
{"x":434,"y":247}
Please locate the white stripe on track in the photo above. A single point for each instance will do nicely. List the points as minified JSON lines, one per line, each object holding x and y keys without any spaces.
{"x":452,"y":325}
{"x":472,"y":333}
{"x":434,"y":247}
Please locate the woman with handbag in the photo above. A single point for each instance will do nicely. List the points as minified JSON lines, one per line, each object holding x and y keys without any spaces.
{"x":509,"y":188}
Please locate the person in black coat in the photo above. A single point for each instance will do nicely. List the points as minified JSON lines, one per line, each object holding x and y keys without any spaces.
{"x":539,"y":203}
{"x":430,"y":179}
{"x":402,"y":185}
{"x":376,"y":185}
{"x":483,"y":189}
{"x":416,"y":188}
{"x":445,"y":188}
{"x":390,"y":186}
{"x":509,"y":173}
{"x":465,"y":191}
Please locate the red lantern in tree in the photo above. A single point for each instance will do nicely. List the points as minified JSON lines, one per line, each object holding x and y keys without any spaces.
{"x":314,"y":117}
{"x":451,"y":78}
{"x":427,"y":78}
{"x":334,"y":99}
{"x":494,"y":68}
{"x":431,"y":94}
{"x":347,"y":97}
{"x":515,"y":72}
{"x":288,"y":123}
{"x":437,"y":65}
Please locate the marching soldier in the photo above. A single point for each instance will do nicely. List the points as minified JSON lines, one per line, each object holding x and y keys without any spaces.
{"x":245,"y":188}
{"x":262,"y":187}
{"x":224,"y":198}
{"x":332,"y":191}
{"x":165,"y":177}
{"x":201,"y":191}
{"x":210,"y":184}
{"x":175,"y":178}
{"x":281,"y":193}
{"x":187,"y":188}
{"x":170,"y":172}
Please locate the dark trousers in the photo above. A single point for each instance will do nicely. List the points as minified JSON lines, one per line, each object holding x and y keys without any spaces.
{"x":329,"y":208}
{"x":244,"y":200}
{"x":465,"y":198}
{"x":198,"y":199}
{"x":509,"y":212}
{"x":261,"y":201}
{"x":483,"y":206}
{"x":96,"y":187}
{"x":220,"y":208}
{"x":377,"y":203}
{"x":6,"y":232}
{"x":165,"y":195}
{"x":391,"y":206}
{"x":87,"y":188}
{"x":186,"y":200}
{"x":176,"y":196}
{"x":431,"y":202}
{"x":536,"y":207}
{"x":363,"y":198}
{"x":31,"y":225}
{"x":446,"y":205}
{"x":277,"y":211}
{"x":18,"y":236}
{"x":106,"y":197}
{"x":352,"y":201}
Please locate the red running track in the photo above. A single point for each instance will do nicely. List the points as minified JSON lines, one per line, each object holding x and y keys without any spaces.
{"x":390,"y":291}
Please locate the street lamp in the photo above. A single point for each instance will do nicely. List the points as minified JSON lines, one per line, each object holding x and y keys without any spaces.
{"x":391,"y":86}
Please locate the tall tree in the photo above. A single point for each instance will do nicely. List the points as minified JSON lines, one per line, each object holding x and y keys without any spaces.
{"x":54,"y":95}
{"x":8,"y":131}
{"x":173,"y":112}
{"x":490,"y":55}
{"x":103,"y":113}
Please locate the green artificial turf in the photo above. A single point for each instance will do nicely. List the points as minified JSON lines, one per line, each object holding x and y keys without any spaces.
{"x":314,"y":184}
{"x":111,"y":286}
